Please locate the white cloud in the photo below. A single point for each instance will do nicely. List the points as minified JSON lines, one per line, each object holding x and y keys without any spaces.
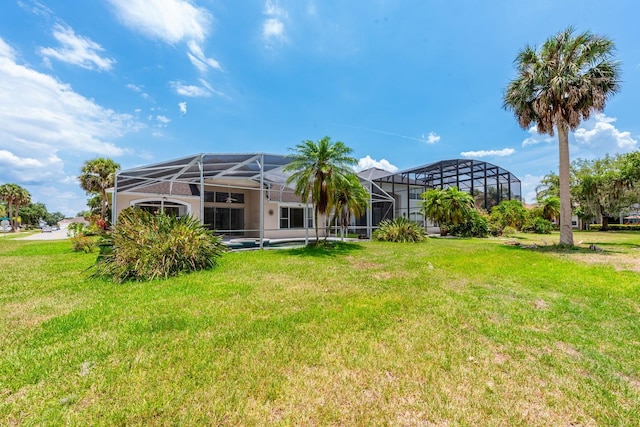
{"x":45,"y":126}
{"x":30,"y":169}
{"x":367,"y":163}
{"x":6,"y":51}
{"x":600,"y":131}
{"x":199,"y":60}
{"x":77,"y":50}
{"x":135,"y":88}
{"x":432,"y":138}
{"x":529,"y":184}
{"x":171,"y":21}
{"x":273,"y":30}
{"x":189,"y":90}
{"x":486,"y":153}
{"x":183,"y":107}
{"x":536,"y":138}
{"x":162,"y":121}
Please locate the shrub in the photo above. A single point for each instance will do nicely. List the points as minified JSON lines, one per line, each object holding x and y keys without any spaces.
{"x":145,"y":247}
{"x":82,"y":243}
{"x":508,"y":213}
{"x":508,"y":231}
{"x":76,"y":228}
{"x":399,"y":229}
{"x":475,"y":225}
{"x":537,"y":225}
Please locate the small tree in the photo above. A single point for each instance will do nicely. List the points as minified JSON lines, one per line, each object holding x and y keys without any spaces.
{"x":351,"y":199}
{"x":319,"y":168}
{"x":550,"y":208}
{"x":448,"y":207}
{"x":97,"y":175}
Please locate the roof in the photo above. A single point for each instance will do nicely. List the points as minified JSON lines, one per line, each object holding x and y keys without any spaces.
{"x":446,"y":172}
{"x":189,"y":170}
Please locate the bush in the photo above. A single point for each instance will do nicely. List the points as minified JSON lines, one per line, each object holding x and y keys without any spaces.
{"x":399,"y":229}
{"x":476,"y":225}
{"x":76,"y":228}
{"x":537,"y":225}
{"x":145,"y":247}
{"x":82,"y":243}
{"x":508,"y":231}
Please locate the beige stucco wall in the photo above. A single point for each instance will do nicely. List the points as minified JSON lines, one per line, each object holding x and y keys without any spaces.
{"x":251,"y":207}
{"x":126,"y":200}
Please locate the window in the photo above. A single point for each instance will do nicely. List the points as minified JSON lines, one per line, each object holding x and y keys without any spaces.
{"x":293,"y":217}
{"x":157,"y":206}
{"x":415,"y":193}
{"x":227,"y":220}
{"x":228,"y":197}
{"x":223,"y":197}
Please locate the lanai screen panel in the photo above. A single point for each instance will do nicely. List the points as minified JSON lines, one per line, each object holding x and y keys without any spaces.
{"x":488,"y":183}
{"x":192,"y":169}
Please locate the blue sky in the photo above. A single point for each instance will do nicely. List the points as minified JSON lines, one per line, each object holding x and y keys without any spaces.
{"x":403,"y":83}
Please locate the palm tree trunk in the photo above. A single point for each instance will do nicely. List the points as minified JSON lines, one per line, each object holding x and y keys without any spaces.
{"x":566,"y":229}
{"x":11,"y":220}
{"x":315,"y":218}
{"x":604,"y":222}
{"x":103,"y":209}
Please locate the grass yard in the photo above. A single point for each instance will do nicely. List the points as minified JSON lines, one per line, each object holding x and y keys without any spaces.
{"x":446,"y":332}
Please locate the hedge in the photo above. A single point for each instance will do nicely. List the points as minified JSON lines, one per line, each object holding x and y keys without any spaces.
{"x":616,"y":227}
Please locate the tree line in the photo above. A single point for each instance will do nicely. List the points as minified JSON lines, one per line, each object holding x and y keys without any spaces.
{"x":17,"y":206}
{"x":599,"y":188}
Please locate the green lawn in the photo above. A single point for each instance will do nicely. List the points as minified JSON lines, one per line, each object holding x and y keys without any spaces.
{"x":446,"y":332}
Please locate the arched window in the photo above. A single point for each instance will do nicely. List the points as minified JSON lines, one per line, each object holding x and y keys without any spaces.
{"x":168,"y":206}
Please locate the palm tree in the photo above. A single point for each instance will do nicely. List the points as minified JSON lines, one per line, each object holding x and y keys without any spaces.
{"x":457,"y":205}
{"x":447,"y":207}
{"x":559,"y":86}
{"x":550,"y":207}
{"x":351,"y":198}
{"x":549,"y":186}
{"x":432,"y":205}
{"x":98,"y":175}
{"x":319,"y":168}
{"x":15,"y":196}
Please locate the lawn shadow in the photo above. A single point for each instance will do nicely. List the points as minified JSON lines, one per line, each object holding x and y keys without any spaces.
{"x":326,"y":249}
{"x":564,"y":249}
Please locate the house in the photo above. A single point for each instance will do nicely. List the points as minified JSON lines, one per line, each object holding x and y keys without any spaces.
{"x":246,"y":195}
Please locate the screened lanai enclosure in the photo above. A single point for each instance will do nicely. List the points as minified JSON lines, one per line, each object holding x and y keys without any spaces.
{"x":487,"y":183}
{"x":246,"y":196}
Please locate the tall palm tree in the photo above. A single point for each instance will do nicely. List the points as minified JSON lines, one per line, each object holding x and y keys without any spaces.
{"x":560,"y":85}
{"x":15,"y":196}
{"x":351,"y":199}
{"x":318,"y":170}
{"x":98,"y":175}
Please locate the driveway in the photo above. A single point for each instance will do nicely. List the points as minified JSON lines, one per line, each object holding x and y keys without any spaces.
{"x":53,"y":235}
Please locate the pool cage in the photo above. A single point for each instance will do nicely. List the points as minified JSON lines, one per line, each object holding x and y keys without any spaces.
{"x":241,"y":196}
{"x":247,"y":195}
{"x":487,"y":183}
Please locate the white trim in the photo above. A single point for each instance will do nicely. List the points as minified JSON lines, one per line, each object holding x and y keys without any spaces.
{"x":306,"y":219}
